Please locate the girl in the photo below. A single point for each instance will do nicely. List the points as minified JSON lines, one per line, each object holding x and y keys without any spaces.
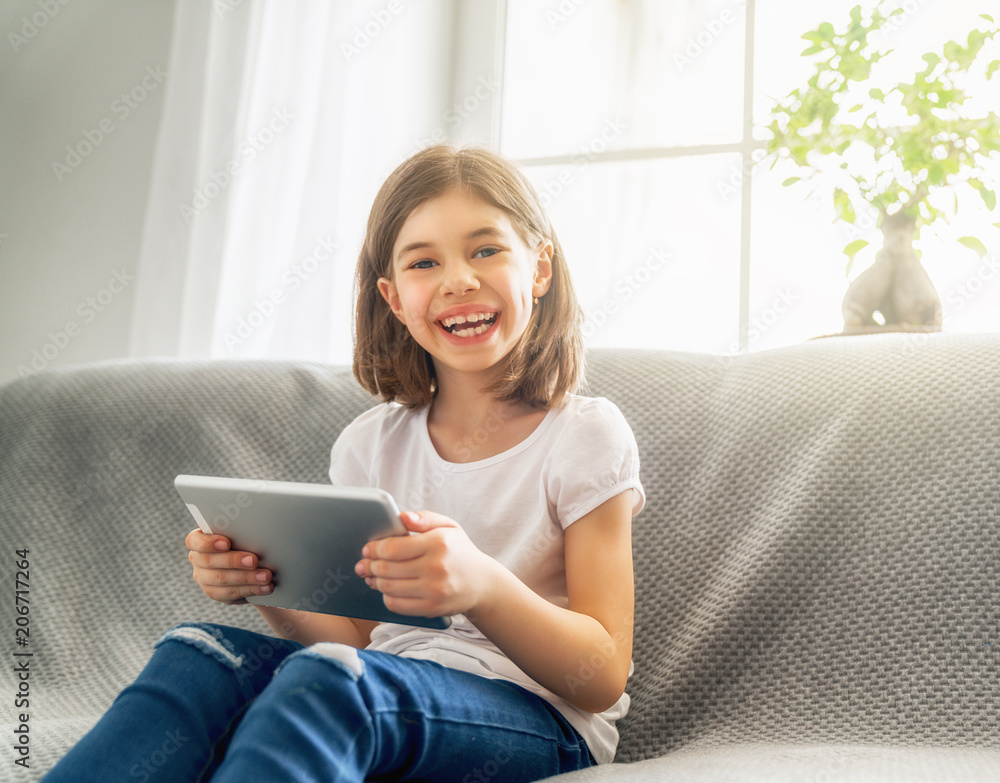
{"x":468,"y":328}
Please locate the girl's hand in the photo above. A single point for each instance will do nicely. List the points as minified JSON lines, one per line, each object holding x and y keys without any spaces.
{"x":228,"y":577}
{"x":437,"y":572}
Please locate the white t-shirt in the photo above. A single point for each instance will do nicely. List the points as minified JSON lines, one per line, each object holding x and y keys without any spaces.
{"x":514,"y":507}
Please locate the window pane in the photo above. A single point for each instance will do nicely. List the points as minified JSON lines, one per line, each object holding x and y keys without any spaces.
{"x":921,"y":27}
{"x":653,"y":249}
{"x":798,"y":279}
{"x":656,"y":73}
{"x":797,"y":272}
{"x":796,"y":244}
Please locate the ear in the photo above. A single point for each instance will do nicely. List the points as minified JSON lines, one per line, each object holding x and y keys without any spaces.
{"x":388,"y":290}
{"x":543,"y":270}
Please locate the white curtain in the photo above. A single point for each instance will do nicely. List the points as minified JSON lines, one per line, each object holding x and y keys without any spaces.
{"x":281,"y":120}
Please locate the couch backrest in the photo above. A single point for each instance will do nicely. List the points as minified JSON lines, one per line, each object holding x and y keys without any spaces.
{"x":819,"y":557}
{"x":817,"y":560}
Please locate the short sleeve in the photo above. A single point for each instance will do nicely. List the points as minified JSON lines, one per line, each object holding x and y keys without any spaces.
{"x":351,"y":455}
{"x":594,"y":458}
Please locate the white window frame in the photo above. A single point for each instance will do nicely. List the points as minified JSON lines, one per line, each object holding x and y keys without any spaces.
{"x":484,"y":21}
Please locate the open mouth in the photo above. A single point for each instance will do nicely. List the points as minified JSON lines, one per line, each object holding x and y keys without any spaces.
{"x":469,"y":325}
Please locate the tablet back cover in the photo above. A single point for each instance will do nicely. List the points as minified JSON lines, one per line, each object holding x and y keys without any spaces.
{"x":309,"y":535}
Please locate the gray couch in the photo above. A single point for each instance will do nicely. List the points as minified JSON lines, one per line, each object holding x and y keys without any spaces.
{"x":817,"y":564}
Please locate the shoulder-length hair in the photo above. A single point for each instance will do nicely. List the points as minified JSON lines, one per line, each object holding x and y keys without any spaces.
{"x":547,"y":361}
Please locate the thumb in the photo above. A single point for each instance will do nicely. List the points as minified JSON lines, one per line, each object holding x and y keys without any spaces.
{"x":422,"y":521}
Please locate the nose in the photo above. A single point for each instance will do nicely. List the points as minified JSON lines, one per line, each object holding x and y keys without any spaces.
{"x":459,"y":279}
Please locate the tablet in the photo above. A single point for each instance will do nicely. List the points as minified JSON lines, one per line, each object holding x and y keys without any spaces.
{"x":309,"y":535}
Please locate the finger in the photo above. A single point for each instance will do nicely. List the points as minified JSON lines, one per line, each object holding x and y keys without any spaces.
{"x":397,"y":588}
{"x":422,"y":521}
{"x":394,"y":548}
{"x":255,"y":582}
{"x":391,"y":569}
{"x":240,"y":560}
{"x":230,"y":594}
{"x":199,"y":541}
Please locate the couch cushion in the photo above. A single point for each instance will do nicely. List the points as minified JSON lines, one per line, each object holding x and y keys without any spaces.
{"x":777,"y":763}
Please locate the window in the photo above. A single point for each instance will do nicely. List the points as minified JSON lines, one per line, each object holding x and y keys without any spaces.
{"x":638,"y":121}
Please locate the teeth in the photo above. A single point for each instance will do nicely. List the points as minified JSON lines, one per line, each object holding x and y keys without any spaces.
{"x":472,"y":318}
{"x":471,"y":332}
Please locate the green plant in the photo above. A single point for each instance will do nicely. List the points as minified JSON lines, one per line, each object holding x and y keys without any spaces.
{"x":897,"y":147}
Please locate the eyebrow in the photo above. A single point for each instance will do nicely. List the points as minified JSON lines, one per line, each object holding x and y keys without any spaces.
{"x":486,"y":231}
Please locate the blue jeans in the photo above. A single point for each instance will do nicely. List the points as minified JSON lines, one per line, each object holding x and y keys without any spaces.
{"x":230,"y":705}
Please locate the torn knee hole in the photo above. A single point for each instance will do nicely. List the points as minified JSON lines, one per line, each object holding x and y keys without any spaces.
{"x":207,"y":642}
{"x":341,"y":655}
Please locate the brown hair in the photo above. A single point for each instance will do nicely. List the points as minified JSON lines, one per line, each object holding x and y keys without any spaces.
{"x":548,"y":360}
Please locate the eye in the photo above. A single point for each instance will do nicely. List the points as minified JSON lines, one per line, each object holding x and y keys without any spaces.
{"x":423,"y":263}
{"x":489,"y":251}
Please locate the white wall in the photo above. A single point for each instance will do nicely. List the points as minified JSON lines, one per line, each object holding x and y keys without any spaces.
{"x":69,"y":239}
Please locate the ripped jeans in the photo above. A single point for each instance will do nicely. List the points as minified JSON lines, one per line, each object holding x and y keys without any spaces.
{"x":230,"y":705}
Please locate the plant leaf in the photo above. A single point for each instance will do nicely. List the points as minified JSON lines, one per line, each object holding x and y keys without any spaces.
{"x":989,"y":197}
{"x":851,"y":251}
{"x":852,"y":248}
{"x":790,"y":181}
{"x":842,"y":204}
{"x":974,"y":244}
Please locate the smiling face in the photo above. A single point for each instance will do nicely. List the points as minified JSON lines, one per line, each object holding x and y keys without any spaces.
{"x":463,"y":281}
